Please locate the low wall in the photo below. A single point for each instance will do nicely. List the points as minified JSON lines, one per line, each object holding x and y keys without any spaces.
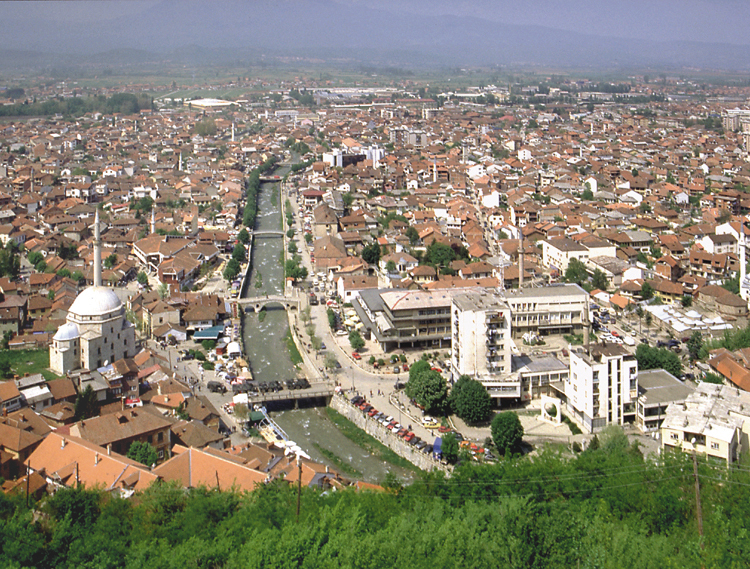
{"x":396,"y":444}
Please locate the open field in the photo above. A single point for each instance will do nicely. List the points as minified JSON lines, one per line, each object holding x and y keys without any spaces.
{"x":29,"y":361}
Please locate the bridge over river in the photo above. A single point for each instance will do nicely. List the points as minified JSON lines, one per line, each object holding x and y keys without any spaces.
{"x":258,"y":302}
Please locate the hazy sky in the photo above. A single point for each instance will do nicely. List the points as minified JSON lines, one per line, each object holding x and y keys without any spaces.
{"x":558,"y":32}
{"x":696,"y":20}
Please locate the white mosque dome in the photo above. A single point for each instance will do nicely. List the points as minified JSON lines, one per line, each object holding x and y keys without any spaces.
{"x":95,"y":301}
{"x":68,"y":331}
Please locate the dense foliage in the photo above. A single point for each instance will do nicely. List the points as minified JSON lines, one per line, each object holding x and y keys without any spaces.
{"x":606,"y":508}
{"x":427,"y":387}
{"x":658,"y":358}
{"x":124,"y":103}
{"x":507,"y":432}
{"x":470,"y":400}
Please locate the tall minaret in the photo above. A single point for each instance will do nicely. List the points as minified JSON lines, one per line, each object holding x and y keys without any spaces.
{"x":232,"y":131}
{"x":180,"y":167}
{"x":153,"y":221}
{"x":97,"y":252}
{"x":520,"y":257}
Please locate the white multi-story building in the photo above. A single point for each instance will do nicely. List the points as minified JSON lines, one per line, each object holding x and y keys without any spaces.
{"x":714,"y":421}
{"x":602,"y":386}
{"x":480,"y":332}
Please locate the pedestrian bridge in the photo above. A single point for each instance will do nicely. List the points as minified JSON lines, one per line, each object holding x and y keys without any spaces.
{"x":267,"y":233}
{"x":257,"y":303}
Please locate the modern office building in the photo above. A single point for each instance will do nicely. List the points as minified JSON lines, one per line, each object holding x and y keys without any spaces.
{"x":480,"y":332}
{"x":406,"y":318}
{"x":602,"y":386}
{"x":555,"y":309}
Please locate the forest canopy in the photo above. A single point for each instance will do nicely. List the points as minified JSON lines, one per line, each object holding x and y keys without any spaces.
{"x":608,"y":507}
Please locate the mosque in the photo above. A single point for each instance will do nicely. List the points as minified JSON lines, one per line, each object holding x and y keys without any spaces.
{"x":96,"y":332}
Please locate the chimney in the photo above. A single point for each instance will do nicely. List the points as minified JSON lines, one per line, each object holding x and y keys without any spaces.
{"x":109,"y":449}
{"x":96,"y":459}
{"x":122,"y":403}
{"x":62,"y":443}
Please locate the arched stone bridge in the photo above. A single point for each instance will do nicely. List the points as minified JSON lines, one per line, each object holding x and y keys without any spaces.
{"x":267,"y":233}
{"x":257,"y":303}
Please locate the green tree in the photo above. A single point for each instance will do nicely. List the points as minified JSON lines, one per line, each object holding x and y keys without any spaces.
{"x":647,"y":291}
{"x":86,"y":405}
{"x":143,"y":453}
{"x":413,"y":235}
{"x":694,"y":345}
{"x":371,"y":254}
{"x":110,"y":261}
{"x":35,"y":257}
{"x":649,"y":357}
{"x":239,"y":253}
{"x":356,"y":341}
{"x":348,"y":199}
{"x":599,"y":280}
{"x":686,"y":301}
{"x":576,"y":272}
{"x":507,"y":432}
{"x":77,"y":276}
{"x":390,"y":266}
{"x":439,"y":254}
{"x":208,"y":345}
{"x":142,"y":278}
{"x":243,"y":236}
{"x":163,"y":291}
{"x":428,"y":388}
{"x":331,"y":317}
{"x":7,"y":336}
{"x":470,"y":401}
{"x":587,"y":194}
{"x":450,"y":448}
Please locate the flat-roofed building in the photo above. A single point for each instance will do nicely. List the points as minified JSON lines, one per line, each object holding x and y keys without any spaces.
{"x":406,"y":318}
{"x":538,"y":374}
{"x":602,"y":386}
{"x":480,"y":332}
{"x":556,"y":309}
{"x":712,"y":421}
{"x":657,"y":390}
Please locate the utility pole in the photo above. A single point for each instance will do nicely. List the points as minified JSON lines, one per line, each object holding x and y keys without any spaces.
{"x":299,"y":484}
{"x":698,"y":512}
{"x":28,"y":474}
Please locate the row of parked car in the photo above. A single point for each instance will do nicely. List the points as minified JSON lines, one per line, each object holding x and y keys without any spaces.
{"x":391,"y":424}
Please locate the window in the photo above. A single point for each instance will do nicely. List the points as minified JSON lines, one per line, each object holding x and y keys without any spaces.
{"x":675,"y":436}
{"x":714,"y":446}
{"x":159,"y":437}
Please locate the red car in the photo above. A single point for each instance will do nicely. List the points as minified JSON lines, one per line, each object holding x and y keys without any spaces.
{"x":437,"y":369}
{"x":372,"y":412}
{"x":401,"y":432}
{"x":356,"y":356}
{"x":409,"y":436}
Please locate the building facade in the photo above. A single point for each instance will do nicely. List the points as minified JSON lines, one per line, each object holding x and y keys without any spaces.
{"x":602,"y":386}
{"x":481,"y":340}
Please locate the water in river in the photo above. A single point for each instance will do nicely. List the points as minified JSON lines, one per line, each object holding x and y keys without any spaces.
{"x":265,"y":348}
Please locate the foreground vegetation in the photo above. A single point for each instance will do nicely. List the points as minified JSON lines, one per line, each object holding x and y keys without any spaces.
{"x":606,"y":508}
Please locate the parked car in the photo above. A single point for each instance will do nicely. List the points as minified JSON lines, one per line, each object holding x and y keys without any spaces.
{"x":356,"y":356}
{"x":216,"y":387}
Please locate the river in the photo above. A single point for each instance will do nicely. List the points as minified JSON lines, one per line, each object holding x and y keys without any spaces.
{"x":265,"y":348}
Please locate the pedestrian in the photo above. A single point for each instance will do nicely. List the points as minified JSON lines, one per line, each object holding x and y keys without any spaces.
{"x":371,"y":393}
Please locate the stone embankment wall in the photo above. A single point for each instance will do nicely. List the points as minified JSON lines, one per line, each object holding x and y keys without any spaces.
{"x":396,"y":444}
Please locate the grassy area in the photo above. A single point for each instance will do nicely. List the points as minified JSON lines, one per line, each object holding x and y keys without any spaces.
{"x":294,"y":354}
{"x":29,"y":361}
{"x":367,"y":442}
{"x":571,"y":425}
{"x":338,"y":462}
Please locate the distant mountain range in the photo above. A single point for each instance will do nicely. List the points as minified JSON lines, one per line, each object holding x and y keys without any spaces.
{"x":225,"y":31}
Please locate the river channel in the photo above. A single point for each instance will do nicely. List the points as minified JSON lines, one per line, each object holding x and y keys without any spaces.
{"x":265,"y":348}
